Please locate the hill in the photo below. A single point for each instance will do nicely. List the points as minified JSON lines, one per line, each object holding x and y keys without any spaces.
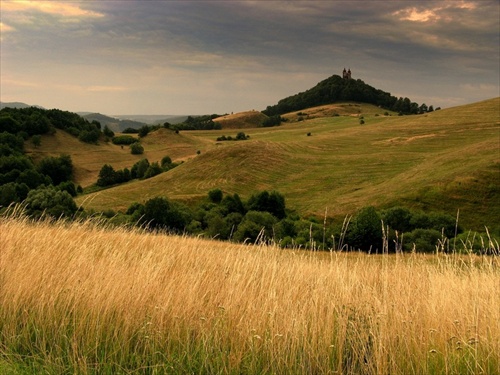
{"x":444,"y":160}
{"x":337,"y":89}
{"x":242,"y":120}
{"x":88,"y":159}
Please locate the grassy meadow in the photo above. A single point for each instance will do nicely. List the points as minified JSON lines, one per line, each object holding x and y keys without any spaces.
{"x":447,"y":159}
{"x":80,"y":298}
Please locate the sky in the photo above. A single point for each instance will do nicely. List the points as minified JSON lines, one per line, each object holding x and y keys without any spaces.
{"x":120,"y":57}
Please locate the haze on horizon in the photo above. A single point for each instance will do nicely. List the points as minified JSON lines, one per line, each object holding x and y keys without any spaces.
{"x":200,"y":57}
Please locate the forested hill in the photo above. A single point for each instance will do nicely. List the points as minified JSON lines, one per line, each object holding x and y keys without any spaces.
{"x":336,"y":89}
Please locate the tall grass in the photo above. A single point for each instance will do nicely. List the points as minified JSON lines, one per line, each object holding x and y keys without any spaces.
{"x":79,"y":298}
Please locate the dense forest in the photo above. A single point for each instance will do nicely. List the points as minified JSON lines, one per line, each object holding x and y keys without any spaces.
{"x":336,"y":89}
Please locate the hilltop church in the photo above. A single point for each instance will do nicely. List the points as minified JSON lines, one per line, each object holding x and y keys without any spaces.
{"x":346,"y":74}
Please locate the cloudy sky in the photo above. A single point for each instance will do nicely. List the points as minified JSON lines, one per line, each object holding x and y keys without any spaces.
{"x":195,"y":57}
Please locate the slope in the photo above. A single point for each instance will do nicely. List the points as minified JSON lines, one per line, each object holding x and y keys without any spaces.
{"x":343,"y":165}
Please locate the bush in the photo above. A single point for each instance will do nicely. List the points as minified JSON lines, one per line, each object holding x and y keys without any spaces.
{"x":365,"y":232}
{"x":107,"y":176}
{"x":272,"y":121}
{"x":34,"y":179}
{"x":424,"y":240}
{"x":215,"y":195}
{"x":36,"y":140}
{"x":108,"y":132}
{"x":50,"y":201}
{"x":273,"y":203}
{"x":252,"y":225}
{"x":59,"y":169}
{"x":139,"y":169}
{"x":87,"y":136}
{"x":233,"y":203}
{"x":166,"y":161}
{"x":69,"y":187}
{"x":124,"y":140}
{"x":8,"y":194}
{"x":144,"y":131}
{"x":398,"y":218}
{"x":153,"y":170}
{"x":160,"y":213}
{"x":136,"y":148}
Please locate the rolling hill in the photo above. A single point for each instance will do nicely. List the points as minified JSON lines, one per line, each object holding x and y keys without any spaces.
{"x":445,"y":160}
{"x":241,"y":120}
{"x":337,"y":89}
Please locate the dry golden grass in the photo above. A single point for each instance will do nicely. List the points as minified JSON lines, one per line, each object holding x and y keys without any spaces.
{"x":242,"y":120}
{"x":77,"y":298}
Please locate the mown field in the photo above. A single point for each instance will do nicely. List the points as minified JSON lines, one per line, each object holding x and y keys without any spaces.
{"x":446,"y":160}
{"x":80,"y":298}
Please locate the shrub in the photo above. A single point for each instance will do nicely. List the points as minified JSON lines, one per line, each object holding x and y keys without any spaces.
{"x":124,"y":140}
{"x":273,"y":203}
{"x":398,"y":218}
{"x":153,"y":170}
{"x":215,"y":195}
{"x":144,"y":131}
{"x":59,"y":169}
{"x":34,"y":179}
{"x":241,"y":136}
{"x":107,"y":176}
{"x":272,"y":121}
{"x":136,"y":148}
{"x":233,"y":203}
{"x":166,"y":161}
{"x":365,"y":232}
{"x":50,"y":201}
{"x":69,"y":187}
{"x":160,"y":213}
{"x":87,"y":136}
{"x":36,"y":140}
{"x":8,"y":194}
{"x":139,"y":169}
{"x":424,"y":240}
{"x":108,"y":132}
{"x":134,"y":207}
{"x":252,"y":225}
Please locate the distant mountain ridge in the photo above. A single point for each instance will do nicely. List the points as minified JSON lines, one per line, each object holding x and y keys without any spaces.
{"x":122,"y":122}
{"x":17,"y":105}
{"x":336,"y":88}
{"x":154,"y":119}
{"x":113,"y":123}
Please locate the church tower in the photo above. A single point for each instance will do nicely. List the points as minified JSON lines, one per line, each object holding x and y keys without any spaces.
{"x":346,"y":74}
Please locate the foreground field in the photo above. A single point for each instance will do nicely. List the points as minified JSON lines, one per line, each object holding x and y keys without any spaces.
{"x":76,"y":298}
